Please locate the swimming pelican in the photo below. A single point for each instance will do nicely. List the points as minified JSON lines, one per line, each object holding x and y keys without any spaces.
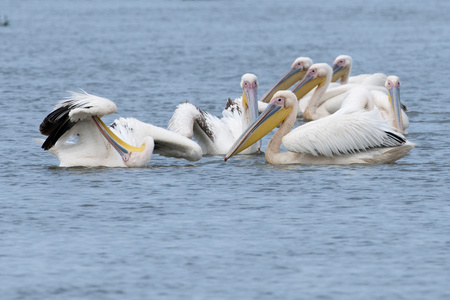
{"x":214,"y":135}
{"x":298,"y":70}
{"x":323,"y":101}
{"x":350,"y":136}
{"x":397,"y":116}
{"x":78,"y":136}
{"x":342,"y":67}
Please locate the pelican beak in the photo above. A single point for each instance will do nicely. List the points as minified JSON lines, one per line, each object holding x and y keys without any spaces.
{"x":338,"y":72}
{"x":268,"y":120}
{"x":123,"y":148}
{"x":250,"y":98}
{"x":307,"y":84}
{"x":394,"y":98}
{"x":288,"y":80}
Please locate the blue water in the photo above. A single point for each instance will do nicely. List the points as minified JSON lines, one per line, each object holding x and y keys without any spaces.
{"x":209,"y":229}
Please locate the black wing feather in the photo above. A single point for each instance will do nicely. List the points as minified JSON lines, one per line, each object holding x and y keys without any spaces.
{"x":57,"y":123}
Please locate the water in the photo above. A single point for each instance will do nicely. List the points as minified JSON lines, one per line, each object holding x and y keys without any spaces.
{"x":209,"y":229}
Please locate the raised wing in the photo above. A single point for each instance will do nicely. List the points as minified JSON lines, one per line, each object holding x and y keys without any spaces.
{"x":77,"y":107}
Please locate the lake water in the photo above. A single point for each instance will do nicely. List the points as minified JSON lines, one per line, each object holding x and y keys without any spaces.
{"x":209,"y":229}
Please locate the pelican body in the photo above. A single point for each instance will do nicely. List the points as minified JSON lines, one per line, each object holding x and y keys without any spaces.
{"x":350,"y":136}
{"x":214,"y":135}
{"x":77,"y":136}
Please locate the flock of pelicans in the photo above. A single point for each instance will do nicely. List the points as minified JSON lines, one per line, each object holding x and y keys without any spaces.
{"x":351,"y":120}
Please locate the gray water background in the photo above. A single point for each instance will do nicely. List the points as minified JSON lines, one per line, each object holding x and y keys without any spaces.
{"x":209,"y":229}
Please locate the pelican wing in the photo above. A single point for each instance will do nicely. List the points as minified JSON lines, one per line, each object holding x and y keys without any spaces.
{"x":344,"y":132}
{"x":77,"y":107}
{"x":167,"y":143}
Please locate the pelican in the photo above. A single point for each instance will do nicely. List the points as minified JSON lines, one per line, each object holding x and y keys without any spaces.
{"x":397,"y":116}
{"x":214,"y":135}
{"x":78,"y":137}
{"x":323,"y":101}
{"x":298,"y":69}
{"x":341,"y":72}
{"x":350,"y":136}
{"x":342,"y":67}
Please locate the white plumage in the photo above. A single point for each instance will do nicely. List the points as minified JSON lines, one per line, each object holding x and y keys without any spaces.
{"x":78,"y":137}
{"x":350,"y":136}
{"x":216,"y":135}
{"x":345,"y":132}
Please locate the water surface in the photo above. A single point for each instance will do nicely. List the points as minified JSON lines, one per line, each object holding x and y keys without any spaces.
{"x":209,"y":229}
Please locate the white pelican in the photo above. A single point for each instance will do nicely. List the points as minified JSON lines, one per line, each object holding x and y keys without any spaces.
{"x":350,"y":136}
{"x":214,"y":135}
{"x":323,"y":101}
{"x":384,"y":103}
{"x":78,"y":137}
{"x":297,"y":71}
{"x":342,"y":67}
{"x":336,"y":91}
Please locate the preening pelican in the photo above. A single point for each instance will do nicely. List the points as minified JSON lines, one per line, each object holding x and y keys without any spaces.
{"x":78,"y":136}
{"x":214,"y":135}
{"x":350,"y":136}
{"x":298,"y":70}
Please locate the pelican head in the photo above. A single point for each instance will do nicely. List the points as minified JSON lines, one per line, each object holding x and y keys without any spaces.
{"x":132,"y":156}
{"x":392,"y":84}
{"x":282,"y":103}
{"x":249,"y":85}
{"x":297,"y":71}
{"x":317,"y":75}
{"x":342,"y":67}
